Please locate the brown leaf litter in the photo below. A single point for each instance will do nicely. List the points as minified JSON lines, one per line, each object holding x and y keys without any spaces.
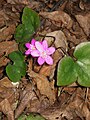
{"x":28,"y":95}
{"x":7,"y":98}
{"x":6,"y":48}
{"x":66,"y":27}
{"x":72,"y":106}
{"x":59,"y":18}
{"x":6,"y":33}
{"x":43,"y":85}
{"x":84,"y":21}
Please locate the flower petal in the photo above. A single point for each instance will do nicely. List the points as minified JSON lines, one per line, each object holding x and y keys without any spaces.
{"x":28,"y":52}
{"x":50,"y":50}
{"x":27,"y":45}
{"x":33,"y":42}
{"x":39,"y":46}
{"x":41,"y":60}
{"x":45,"y":45}
{"x":49,"y":60}
{"x":35,"y":53}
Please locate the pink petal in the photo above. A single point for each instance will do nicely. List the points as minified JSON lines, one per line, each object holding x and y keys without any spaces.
{"x":45,"y":45}
{"x":35,"y":53}
{"x":41,"y":60}
{"x":49,"y":60}
{"x":50,"y":50}
{"x":33,"y":41}
{"x":39,"y":46}
{"x":27,"y":52}
{"x":27,"y":45}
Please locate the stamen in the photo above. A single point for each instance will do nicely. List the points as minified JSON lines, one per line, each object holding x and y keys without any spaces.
{"x":44,"y":54}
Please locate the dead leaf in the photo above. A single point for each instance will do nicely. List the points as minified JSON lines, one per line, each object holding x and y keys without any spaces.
{"x":20,"y":4}
{"x":53,"y":113}
{"x":84,"y":21}
{"x":36,"y":103}
{"x":6,"y":48}
{"x":7,"y":90}
{"x":75,"y":37}
{"x":43,"y":85}
{"x":59,"y":17}
{"x":60,"y":39}
{"x":2,"y":18}
{"x":27,"y":96}
{"x":7,"y":33}
{"x":1,"y":72}
{"x":5,"y":82}
{"x":18,"y":1}
{"x":6,"y":108}
{"x":1,"y":21}
{"x":81,"y":5}
{"x":3,"y":61}
{"x":69,"y":106}
{"x":87,"y":5}
{"x":73,"y":108}
{"x":86,"y":111}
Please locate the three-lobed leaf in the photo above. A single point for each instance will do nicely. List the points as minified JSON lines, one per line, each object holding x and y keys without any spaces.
{"x":70,"y":70}
{"x":18,"y":69}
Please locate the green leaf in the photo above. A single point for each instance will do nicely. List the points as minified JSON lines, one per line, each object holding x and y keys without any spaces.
{"x":30,"y":17}
{"x":35,"y":117}
{"x":82,"y":54}
{"x":69,"y":69}
{"x":22,"y":117}
{"x":21,"y":66}
{"x":66,"y":72}
{"x":23,"y":33}
{"x":83,"y":72}
{"x":21,"y":47}
{"x":31,"y":116}
{"x":30,"y":23}
{"x":16,"y":56}
{"x":13,"y":73}
{"x":18,"y":69}
{"x":19,"y":33}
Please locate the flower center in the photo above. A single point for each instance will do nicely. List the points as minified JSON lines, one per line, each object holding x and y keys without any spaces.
{"x":32,"y":48}
{"x":44,"y":54}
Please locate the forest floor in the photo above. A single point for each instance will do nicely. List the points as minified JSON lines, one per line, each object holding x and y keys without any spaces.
{"x":68,"y":21}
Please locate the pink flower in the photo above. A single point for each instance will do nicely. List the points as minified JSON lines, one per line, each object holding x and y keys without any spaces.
{"x":30,"y":47}
{"x":43,"y":52}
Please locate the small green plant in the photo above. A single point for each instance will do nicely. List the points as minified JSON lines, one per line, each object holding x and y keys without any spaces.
{"x":77,"y":69}
{"x":24,"y":31}
{"x":23,"y":34}
{"x":17,"y":69}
